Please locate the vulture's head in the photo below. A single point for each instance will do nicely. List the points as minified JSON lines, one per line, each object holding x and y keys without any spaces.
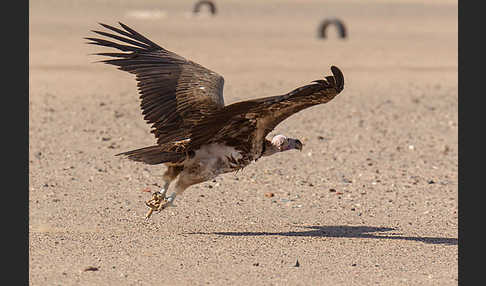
{"x":282,"y":143}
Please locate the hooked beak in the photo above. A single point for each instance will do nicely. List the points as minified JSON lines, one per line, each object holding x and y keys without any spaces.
{"x":298,"y":145}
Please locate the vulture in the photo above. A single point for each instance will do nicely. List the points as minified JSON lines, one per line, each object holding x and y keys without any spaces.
{"x":198,"y":137}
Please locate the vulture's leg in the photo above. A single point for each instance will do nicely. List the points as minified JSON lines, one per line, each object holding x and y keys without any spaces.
{"x":159,"y":199}
{"x":170,"y":174}
{"x":184,"y":181}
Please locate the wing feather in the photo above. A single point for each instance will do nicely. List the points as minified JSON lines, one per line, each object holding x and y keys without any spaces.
{"x":249,"y":122}
{"x":271,"y":111}
{"x":175,"y":92}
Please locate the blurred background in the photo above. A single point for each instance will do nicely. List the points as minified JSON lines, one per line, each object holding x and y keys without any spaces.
{"x":277,"y":38}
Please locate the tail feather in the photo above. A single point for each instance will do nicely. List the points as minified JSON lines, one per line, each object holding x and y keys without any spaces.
{"x":153,"y":155}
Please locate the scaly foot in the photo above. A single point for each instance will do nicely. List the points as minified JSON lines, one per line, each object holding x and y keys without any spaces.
{"x":158,"y":202}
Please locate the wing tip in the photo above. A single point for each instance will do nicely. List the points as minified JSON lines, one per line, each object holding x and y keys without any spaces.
{"x":339,"y":77}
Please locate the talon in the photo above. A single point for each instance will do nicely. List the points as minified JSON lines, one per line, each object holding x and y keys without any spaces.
{"x":149,"y":213}
{"x":158,"y":202}
{"x":167,"y":203}
{"x":155,"y":203}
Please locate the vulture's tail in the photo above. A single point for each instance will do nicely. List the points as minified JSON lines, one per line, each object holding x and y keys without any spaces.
{"x":153,"y":155}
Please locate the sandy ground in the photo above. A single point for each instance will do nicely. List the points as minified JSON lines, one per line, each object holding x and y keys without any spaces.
{"x":372,"y":199}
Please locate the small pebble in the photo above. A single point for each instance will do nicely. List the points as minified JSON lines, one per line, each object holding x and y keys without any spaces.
{"x":269,"y":195}
{"x":445,"y":151}
{"x":91,"y":268}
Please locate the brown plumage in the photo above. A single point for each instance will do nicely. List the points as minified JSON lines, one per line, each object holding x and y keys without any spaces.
{"x":184,"y":103}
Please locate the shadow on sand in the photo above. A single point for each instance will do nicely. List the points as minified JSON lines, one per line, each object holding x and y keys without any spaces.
{"x":342,"y":231}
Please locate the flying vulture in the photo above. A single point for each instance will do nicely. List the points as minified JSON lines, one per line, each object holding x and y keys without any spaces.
{"x":198,"y":136}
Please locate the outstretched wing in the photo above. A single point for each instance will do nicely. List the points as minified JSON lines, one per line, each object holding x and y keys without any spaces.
{"x":245,"y":124}
{"x":261,"y":116}
{"x":270,"y":111}
{"x":175,"y":93}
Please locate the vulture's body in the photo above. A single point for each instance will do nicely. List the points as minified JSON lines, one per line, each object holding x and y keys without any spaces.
{"x":198,"y":137}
